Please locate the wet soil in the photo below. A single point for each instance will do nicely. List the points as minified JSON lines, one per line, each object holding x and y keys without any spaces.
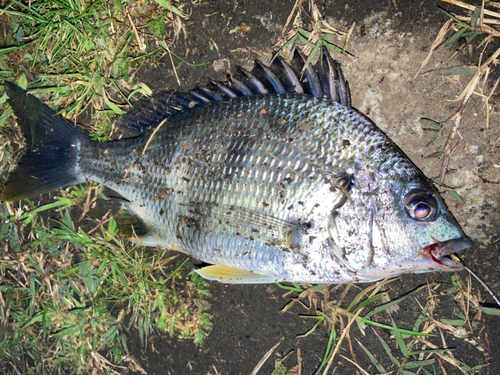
{"x":390,"y":41}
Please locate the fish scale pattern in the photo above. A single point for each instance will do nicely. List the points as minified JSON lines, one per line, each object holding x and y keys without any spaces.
{"x":239,"y":181}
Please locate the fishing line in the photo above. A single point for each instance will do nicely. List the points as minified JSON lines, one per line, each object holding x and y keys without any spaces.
{"x":492,"y":293}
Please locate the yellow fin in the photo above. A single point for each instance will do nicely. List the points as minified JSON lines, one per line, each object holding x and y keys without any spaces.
{"x":232,"y":275}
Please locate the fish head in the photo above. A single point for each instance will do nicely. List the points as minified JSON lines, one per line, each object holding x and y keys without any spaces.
{"x":389,"y":227}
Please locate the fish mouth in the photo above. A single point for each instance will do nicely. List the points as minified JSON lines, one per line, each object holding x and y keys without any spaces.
{"x":437,"y":252}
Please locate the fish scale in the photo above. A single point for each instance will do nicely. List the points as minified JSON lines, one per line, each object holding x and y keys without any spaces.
{"x":237,"y":173}
{"x":265,"y":186}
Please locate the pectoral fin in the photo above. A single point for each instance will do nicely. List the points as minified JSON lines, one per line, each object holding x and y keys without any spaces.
{"x":232,"y":275}
{"x":130,"y":224}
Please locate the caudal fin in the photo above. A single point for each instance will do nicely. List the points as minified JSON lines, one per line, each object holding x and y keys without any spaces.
{"x":52,"y":144}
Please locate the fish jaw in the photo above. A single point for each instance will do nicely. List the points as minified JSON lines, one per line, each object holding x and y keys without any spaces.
{"x":435,"y":255}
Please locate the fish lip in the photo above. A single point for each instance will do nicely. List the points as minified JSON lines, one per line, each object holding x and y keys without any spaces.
{"x":438,"y":251}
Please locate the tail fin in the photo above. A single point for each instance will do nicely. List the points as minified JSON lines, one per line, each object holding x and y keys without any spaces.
{"x":52,"y":147}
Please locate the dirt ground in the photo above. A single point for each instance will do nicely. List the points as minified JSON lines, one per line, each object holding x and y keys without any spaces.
{"x":390,"y":41}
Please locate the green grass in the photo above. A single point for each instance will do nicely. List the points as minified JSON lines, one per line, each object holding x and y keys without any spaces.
{"x":68,"y":295}
{"x":82,"y":53}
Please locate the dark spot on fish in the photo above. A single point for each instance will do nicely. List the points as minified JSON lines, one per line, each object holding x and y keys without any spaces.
{"x":278,"y":126}
{"x":290,"y":207}
{"x":369,"y":150}
{"x":265,"y":204}
{"x":345,"y":143}
{"x":189,"y":222}
{"x":288,"y":180}
{"x":255,"y":230}
{"x":306,"y":126}
{"x":217,"y":250}
{"x":311,"y":239}
{"x":301,"y":203}
{"x":164,"y":193}
{"x":162,"y":212}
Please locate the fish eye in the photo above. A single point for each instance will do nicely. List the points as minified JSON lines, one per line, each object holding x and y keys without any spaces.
{"x":421,"y":205}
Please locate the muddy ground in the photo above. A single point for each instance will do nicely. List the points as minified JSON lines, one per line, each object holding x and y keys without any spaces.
{"x":390,"y":41}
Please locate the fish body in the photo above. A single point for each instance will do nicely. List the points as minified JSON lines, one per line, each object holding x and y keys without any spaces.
{"x":278,"y":186}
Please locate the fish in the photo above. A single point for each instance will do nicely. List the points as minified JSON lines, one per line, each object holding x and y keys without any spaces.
{"x":271,"y":177}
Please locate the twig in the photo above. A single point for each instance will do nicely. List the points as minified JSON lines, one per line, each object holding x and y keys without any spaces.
{"x":142,"y":47}
{"x":297,"y":2}
{"x":355,"y":364}
{"x":471,"y":7}
{"x":348,"y":36}
{"x":493,"y":21}
{"x":485,"y":29}
{"x":264,"y":359}
{"x":456,"y":118}
{"x":299,"y":362}
{"x":164,"y":45}
{"x":439,"y":39}
{"x":489,"y":112}
{"x":127,"y":171}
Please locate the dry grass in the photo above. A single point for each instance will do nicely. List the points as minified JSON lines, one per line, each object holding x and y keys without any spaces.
{"x":313,"y":40}
{"x":422,"y":345}
{"x":471,"y":26}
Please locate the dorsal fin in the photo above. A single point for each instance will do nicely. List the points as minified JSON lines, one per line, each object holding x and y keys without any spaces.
{"x":325,"y":80}
{"x":150,"y":111}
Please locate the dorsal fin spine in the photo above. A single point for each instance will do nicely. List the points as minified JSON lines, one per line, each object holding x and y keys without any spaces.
{"x":278,"y":78}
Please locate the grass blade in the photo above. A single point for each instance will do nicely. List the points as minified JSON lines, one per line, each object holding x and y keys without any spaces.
{"x":387,"y":349}
{"x":392,"y":303}
{"x":399,"y":338}
{"x":372,"y":358}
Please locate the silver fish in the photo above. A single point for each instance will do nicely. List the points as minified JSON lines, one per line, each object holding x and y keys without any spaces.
{"x":268,"y":180}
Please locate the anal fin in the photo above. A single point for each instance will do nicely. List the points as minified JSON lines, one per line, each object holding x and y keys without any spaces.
{"x":233,"y":275}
